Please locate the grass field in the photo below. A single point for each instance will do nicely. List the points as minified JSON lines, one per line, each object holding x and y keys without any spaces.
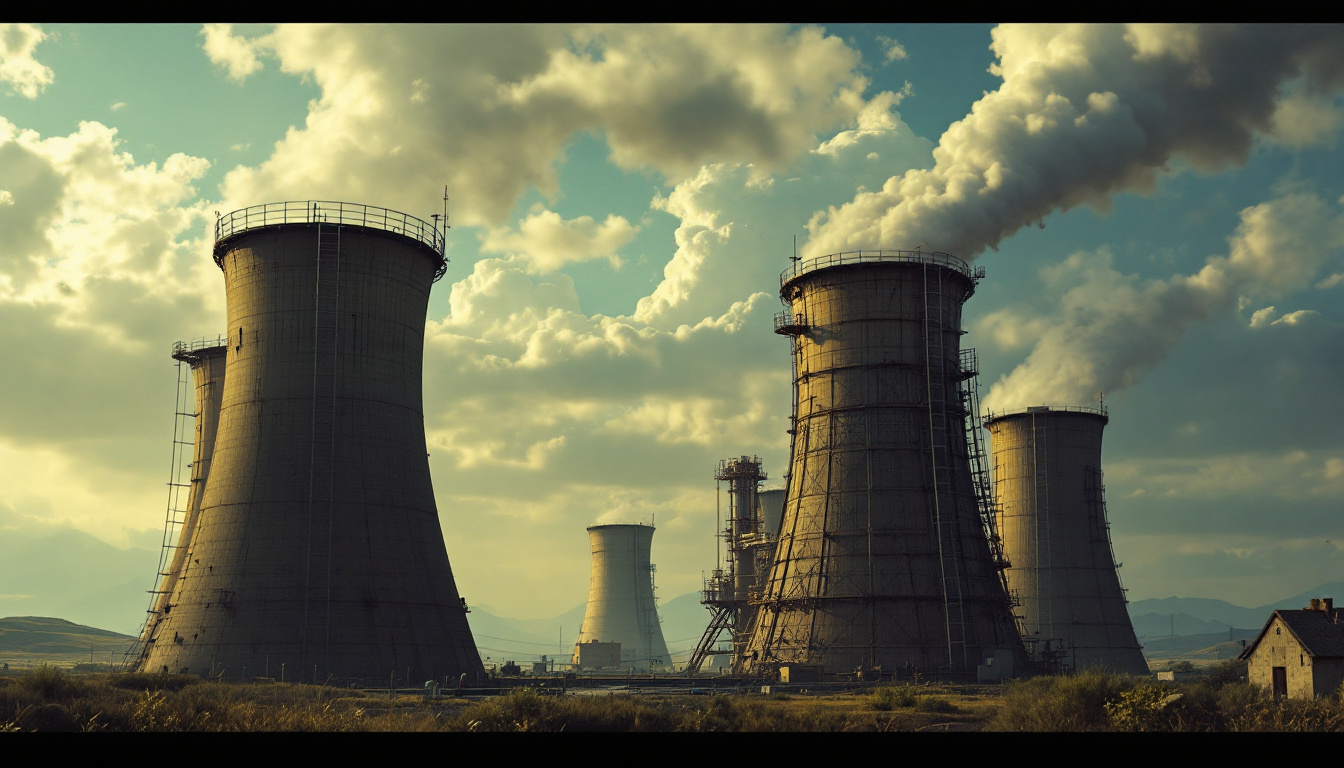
{"x":50,"y":698}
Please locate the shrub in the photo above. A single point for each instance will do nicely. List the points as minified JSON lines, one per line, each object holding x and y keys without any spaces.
{"x":53,"y":684}
{"x":889,"y":697}
{"x":1142,"y":708}
{"x":1060,"y":702}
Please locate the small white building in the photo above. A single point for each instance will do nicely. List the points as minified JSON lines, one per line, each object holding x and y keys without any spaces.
{"x":1299,"y":654}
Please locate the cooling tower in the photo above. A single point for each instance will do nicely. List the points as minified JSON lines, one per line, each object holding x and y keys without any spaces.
{"x":882,"y":558}
{"x":621,"y":607}
{"x":207,"y":362}
{"x":770,"y":509}
{"x":318,"y":553}
{"x":1052,"y":517}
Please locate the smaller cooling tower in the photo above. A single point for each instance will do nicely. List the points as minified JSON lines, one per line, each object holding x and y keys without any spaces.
{"x":1051,"y":513}
{"x":621,"y":607}
{"x":770,"y":508}
{"x":207,"y":369}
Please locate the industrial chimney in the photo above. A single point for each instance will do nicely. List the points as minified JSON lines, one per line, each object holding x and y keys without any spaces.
{"x":317,"y":554}
{"x":206,"y":360}
{"x":882,"y":558}
{"x":621,"y":607}
{"x":1052,"y":517}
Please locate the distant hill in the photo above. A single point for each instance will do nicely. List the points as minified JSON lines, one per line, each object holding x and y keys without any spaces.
{"x":1193,"y":647}
{"x":1198,"y":615}
{"x":42,"y":635}
{"x":76,"y":576}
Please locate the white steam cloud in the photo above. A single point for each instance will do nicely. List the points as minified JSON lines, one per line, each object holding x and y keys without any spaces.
{"x":1087,"y":111}
{"x":1111,"y":329}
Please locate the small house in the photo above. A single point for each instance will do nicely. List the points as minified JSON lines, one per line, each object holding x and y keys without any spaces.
{"x":1299,"y":654}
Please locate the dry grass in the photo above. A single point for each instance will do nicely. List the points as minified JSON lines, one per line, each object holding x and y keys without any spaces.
{"x":48,"y":698}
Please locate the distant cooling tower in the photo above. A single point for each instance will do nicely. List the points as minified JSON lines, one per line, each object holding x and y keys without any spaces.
{"x":1052,"y":517}
{"x":770,"y":509}
{"x":621,"y":607}
{"x":207,"y":363}
{"x":317,"y":553}
{"x":882,"y":559}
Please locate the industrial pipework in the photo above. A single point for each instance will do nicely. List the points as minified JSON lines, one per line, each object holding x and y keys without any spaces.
{"x":1051,"y":510}
{"x":729,"y":593}
{"x":318,"y":554}
{"x":882,"y":559}
{"x":621,"y":606}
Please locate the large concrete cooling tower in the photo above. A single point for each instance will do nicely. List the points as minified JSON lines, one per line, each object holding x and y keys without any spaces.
{"x":621,"y":607}
{"x":1052,"y":517}
{"x":882,"y":559}
{"x":318,"y":553}
{"x":206,"y":360}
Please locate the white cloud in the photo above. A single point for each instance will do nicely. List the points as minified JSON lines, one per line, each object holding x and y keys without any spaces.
{"x":489,"y":109}
{"x":1294,"y":474}
{"x":1304,"y":119}
{"x":1297,"y":318}
{"x":233,"y":52}
{"x":1085,"y":112}
{"x":1263,"y":317}
{"x":23,"y":74}
{"x":892,"y":49}
{"x":1111,"y":329}
{"x":548,"y":242}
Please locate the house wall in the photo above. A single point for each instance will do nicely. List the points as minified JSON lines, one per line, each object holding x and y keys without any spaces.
{"x":1329,"y":675}
{"x":1280,"y":649}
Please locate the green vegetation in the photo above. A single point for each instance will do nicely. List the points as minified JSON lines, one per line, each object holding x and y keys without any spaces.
{"x":1217,"y":699}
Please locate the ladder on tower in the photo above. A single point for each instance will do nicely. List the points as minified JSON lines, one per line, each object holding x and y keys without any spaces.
{"x":982,"y":480}
{"x":326,"y":327}
{"x":940,"y":470}
{"x":1044,"y":557}
{"x":184,"y":424}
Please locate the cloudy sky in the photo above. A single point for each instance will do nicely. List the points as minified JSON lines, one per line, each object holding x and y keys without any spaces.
{"x":1158,"y":210}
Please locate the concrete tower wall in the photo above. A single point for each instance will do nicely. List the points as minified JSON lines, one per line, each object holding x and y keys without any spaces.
{"x":621,"y":607}
{"x":319,"y":545}
{"x":1047,"y":485}
{"x":882,"y":559}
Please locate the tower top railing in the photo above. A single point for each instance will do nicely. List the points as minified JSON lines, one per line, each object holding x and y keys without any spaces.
{"x":857,"y":257}
{"x":331,"y":212}
{"x":184,"y":350}
{"x":1095,"y":411}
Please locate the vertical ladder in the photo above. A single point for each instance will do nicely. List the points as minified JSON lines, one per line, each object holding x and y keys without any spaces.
{"x":945,"y":525}
{"x":326,"y":326}
{"x":981,"y":478}
{"x":174,"y":519}
{"x":1045,"y":621}
{"x":1095,"y":489}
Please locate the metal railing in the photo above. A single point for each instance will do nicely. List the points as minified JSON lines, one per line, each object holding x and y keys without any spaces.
{"x":1098,"y":411}
{"x":856,"y":257}
{"x":331,"y":212}
{"x":187,"y":347}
